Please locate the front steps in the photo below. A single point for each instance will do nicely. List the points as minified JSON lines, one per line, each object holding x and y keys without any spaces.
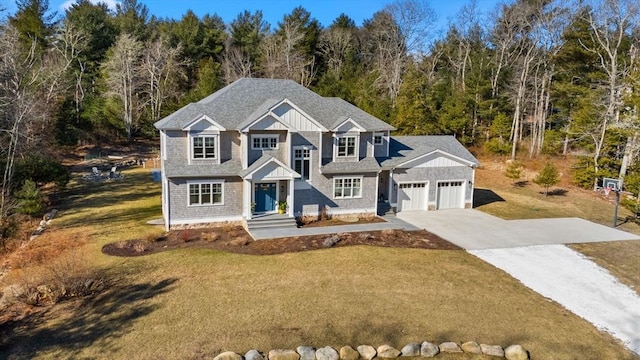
{"x":271,"y":221}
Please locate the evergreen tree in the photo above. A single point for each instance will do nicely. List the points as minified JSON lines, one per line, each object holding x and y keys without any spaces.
{"x":547,"y":177}
{"x":514,"y":171}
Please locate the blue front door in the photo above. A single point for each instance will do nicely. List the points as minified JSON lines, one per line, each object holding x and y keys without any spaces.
{"x":265,"y":197}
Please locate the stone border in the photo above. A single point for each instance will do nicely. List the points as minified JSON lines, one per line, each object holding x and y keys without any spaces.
{"x":366,"y":352}
{"x":46,"y":220}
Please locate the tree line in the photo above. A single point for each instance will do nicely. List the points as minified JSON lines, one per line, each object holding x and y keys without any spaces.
{"x":532,"y":78}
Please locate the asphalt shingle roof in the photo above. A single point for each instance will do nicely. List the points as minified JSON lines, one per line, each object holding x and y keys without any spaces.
{"x":367,"y":164}
{"x":234,"y":105}
{"x":405,"y":148}
{"x":178,"y":168}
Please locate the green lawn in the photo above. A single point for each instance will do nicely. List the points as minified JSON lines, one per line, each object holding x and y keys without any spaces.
{"x":192,"y":304}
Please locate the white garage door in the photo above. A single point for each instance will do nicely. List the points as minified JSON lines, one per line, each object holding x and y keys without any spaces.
{"x":412,"y":196}
{"x":450,"y":195}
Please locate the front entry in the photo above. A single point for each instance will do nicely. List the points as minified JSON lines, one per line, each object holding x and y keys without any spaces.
{"x":265,"y":197}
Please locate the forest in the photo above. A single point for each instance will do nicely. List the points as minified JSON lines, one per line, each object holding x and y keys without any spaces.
{"x":534,"y":78}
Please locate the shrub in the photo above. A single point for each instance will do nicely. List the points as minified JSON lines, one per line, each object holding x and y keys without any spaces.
{"x":497,"y":147}
{"x":632,"y":205}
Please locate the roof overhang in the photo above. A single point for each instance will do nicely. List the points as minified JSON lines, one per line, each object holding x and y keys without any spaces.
{"x":198,"y":119}
{"x":436,"y":151}
{"x":269,"y":168}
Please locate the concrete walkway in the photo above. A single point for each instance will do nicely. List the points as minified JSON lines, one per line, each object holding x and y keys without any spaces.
{"x":392,"y":222}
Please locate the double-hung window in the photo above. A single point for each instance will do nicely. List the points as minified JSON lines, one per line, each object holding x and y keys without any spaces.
{"x":264,"y":142}
{"x":205,"y":193}
{"x":302,"y":162}
{"x":346,"y":146}
{"x":203,"y":147}
{"x":346,"y":188}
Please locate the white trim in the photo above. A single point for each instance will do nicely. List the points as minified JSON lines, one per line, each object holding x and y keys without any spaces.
{"x":360,"y":128}
{"x":163,"y":145}
{"x":388,"y":142}
{"x":293,"y":159}
{"x":293,"y":173}
{"x":201,"y":182}
{"x":264,"y":136}
{"x":200,"y":118}
{"x":333,"y":193}
{"x":469,"y":163}
{"x":264,"y":116}
{"x":207,"y":220}
{"x":382,"y":136}
{"x":216,"y":150}
{"x":253,"y":194}
{"x":336,"y":138}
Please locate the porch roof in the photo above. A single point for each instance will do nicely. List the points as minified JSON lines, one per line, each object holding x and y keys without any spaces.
{"x":278,"y":169}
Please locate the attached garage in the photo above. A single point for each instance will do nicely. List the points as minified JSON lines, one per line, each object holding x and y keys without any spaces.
{"x":412,"y":196}
{"x":450,"y":195}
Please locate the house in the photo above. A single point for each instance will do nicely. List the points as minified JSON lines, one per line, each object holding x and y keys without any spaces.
{"x":257,"y":143}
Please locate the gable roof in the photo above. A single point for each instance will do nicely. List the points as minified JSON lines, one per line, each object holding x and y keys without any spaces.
{"x":233,"y":106}
{"x":403,"y":149}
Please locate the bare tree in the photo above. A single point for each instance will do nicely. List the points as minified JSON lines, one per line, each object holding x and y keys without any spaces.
{"x":236,"y":63}
{"x":611,"y":23}
{"x":18,"y":75}
{"x":162,"y":68}
{"x":122,"y":69}
{"x":334,"y":46}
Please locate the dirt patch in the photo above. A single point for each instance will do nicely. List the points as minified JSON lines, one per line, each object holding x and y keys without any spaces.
{"x":237,"y":240}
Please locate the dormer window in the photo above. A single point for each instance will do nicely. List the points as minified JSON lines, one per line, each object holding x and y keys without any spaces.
{"x":204,"y":147}
{"x":264,"y":142}
{"x":346,"y":146}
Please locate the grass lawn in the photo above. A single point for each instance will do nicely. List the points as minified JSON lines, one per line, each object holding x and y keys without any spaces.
{"x":192,"y":304}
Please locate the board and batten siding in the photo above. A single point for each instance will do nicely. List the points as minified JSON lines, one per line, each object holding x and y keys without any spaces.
{"x":181,"y":212}
{"x":294,"y":118}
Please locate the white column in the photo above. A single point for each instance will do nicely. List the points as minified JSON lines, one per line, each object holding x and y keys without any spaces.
{"x":246,"y":199}
{"x":291,"y":200}
{"x":391,"y":186}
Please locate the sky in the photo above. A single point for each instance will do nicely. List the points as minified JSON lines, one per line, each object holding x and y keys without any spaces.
{"x":323,"y":10}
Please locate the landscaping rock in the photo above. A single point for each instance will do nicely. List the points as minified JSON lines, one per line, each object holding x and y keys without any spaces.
{"x":228,"y":355}
{"x":411,"y":349}
{"x":348,"y":353}
{"x":253,"y":355}
{"x":331,"y":241}
{"x":471,"y":347}
{"x":428,"y":349}
{"x":283,"y":354}
{"x":516,"y":352}
{"x":388,"y":352}
{"x":306,"y":352}
{"x":367,"y":352}
{"x":327,"y":353}
{"x":450,"y":347}
{"x":492,"y":350}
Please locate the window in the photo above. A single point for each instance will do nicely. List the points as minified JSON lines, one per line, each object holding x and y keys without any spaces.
{"x":301,"y":162}
{"x":378,"y":138}
{"x":204,"y":147}
{"x":259,"y":142}
{"x":346,"y":146}
{"x":209,"y":193}
{"x":344,"y":188}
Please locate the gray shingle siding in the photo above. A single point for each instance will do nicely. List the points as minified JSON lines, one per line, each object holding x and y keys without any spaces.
{"x":180,"y":210}
{"x":433,"y":175}
{"x":280,"y":153}
{"x":311,"y":201}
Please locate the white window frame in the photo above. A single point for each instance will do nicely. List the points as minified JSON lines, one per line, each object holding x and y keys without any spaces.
{"x":352,"y":179}
{"x":378,"y":135}
{"x":216,"y":145}
{"x":356,"y":146}
{"x":211,"y":183}
{"x":268,"y":143}
{"x":302,"y":148}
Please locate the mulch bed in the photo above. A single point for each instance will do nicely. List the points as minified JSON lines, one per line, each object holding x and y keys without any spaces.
{"x":237,"y":240}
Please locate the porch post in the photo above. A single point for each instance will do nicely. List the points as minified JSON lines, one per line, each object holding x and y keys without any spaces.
{"x":246,"y":199}
{"x":290,"y":200}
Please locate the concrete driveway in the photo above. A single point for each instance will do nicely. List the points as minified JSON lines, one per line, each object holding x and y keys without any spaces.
{"x":532,"y":252}
{"x":475,"y":230}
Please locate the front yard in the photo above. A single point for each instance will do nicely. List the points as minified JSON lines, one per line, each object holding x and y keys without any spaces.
{"x":194,"y":303}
